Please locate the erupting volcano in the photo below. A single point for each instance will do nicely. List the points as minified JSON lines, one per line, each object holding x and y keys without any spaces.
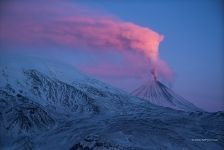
{"x":159,"y":94}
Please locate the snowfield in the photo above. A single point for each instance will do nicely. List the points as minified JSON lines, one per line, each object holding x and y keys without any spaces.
{"x":50,"y":105}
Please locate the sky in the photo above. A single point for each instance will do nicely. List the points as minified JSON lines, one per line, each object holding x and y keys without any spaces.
{"x":183,"y":40}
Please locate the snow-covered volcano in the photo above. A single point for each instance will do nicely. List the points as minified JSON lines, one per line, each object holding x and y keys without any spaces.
{"x":159,"y":94}
{"x":48,"y":105}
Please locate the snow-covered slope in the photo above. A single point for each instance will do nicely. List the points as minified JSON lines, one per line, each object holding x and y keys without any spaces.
{"x":159,"y":94}
{"x":49,"y":105}
{"x":57,"y":85}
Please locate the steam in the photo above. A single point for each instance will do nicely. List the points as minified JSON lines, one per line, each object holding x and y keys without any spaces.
{"x":69,"y":25}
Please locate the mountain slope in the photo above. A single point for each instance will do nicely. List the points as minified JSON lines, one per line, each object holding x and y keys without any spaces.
{"x":46,"y":105}
{"x":48,"y":84}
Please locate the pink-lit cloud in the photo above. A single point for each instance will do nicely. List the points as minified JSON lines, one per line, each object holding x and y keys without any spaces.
{"x":69,"y":25}
{"x":131,"y":66}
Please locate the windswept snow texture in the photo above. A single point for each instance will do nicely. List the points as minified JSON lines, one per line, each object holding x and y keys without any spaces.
{"x":49,"y":105}
{"x":158,"y":94}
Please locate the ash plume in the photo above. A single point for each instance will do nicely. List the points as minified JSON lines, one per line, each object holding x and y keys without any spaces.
{"x":70,"y":25}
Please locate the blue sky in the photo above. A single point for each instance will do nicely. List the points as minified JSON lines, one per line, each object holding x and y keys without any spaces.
{"x":193,"y":44}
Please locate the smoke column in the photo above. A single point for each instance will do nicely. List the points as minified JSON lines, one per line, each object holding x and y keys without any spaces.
{"x":70,"y":25}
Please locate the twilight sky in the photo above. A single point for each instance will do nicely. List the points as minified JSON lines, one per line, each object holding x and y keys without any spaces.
{"x":118,"y":42}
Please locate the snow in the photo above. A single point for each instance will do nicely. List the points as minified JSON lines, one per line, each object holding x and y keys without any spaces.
{"x":45,"y":104}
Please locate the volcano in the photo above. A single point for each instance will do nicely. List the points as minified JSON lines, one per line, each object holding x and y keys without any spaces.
{"x":159,"y":94}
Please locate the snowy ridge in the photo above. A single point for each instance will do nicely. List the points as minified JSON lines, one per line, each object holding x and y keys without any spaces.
{"x":48,"y":105}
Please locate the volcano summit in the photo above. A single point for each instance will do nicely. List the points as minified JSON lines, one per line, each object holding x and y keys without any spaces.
{"x":159,"y":94}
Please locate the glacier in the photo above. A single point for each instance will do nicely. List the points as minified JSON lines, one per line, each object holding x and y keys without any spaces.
{"x":46,"y":104}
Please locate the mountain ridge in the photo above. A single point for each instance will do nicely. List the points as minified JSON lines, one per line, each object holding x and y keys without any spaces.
{"x":53,"y":113}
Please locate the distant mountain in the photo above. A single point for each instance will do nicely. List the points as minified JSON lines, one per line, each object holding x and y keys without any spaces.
{"x":45,"y":104}
{"x":159,"y":94}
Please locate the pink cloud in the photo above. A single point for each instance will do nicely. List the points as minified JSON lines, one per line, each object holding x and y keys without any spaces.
{"x":124,"y":69}
{"x":69,"y":25}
